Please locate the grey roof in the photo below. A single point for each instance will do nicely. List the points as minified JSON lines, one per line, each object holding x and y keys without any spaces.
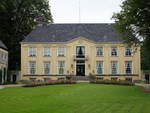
{"x":2,"y":45}
{"x":65,"y":32}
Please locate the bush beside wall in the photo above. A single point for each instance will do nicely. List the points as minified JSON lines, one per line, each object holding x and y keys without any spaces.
{"x":113,"y":82}
{"x":34,"y":84}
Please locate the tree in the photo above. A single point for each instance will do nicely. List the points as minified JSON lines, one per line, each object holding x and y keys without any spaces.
{"x":133,"y":24}
{"x":17,"y":19}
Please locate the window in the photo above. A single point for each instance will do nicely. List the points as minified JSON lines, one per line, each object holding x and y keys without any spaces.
{"x":61,"y":67}
{"x":115,"y":79}
{"x":99,"y":67}
{"x":61,"y":51}
{"x":32,"y":67}
{"x":113,"y":51}
{"x":32,"y":79}
{"x":129,"y":79}
{"x":46,"y":79}
{"x":114,"y":67}
{"x":47,"y":67}
{"x":128,"y":67}
{"x":101,"y":78}
{"x":32,"y":51}
{"x":99,"y":51}
{"x":128,"y":51}
{"x":46,"y":51}
{"x":80,"y":51}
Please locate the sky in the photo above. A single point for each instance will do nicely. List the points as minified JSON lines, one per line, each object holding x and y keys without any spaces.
{"x":91,"y":11}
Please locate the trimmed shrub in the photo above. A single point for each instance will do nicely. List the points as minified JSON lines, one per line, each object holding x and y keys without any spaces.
{"x":113,"y":82}
{"x":34,"y":84}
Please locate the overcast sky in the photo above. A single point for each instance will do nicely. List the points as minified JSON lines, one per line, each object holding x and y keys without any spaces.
{"x":91,"y":11}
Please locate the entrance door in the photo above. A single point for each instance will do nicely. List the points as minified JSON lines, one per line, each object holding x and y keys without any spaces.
{"x":80,"y":68}
{"x":147,"y":78}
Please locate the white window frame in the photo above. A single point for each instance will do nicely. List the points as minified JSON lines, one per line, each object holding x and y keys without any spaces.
{"x":64,"y":53}
{"x":126,"y":51}
{"x":112,"y":51}
{"x":44,"y":65}
{"x":33,"y":52}
{"x":102,"y":68}
{"x":45,"y":52}
{"x":115,"y":67}
{"x":58,"y":67}
{"x":29,"y":69}
{"x":130,"y":67}
{"x":101,"y":50}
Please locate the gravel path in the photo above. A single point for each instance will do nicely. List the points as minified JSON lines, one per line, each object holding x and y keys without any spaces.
{"x":146,"y":87}
{"x":11,"y":85}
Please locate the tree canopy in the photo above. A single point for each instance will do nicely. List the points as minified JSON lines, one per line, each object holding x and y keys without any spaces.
{"x":17,"y":19}
{"x":133,"y":24}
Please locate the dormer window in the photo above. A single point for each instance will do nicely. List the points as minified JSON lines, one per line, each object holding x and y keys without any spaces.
{"x":113,"y":51}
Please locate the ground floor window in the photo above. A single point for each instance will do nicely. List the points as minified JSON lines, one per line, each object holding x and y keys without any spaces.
{"x":32,"y":79}
{"x":128,"y":79}
{"x":101,"y":78}
{"x":99,"y":67}
{"x":114,"y":78}
{"x":46,"y":79}
{"x":32,"y":67}
{"x":61,"y":67}
{"x":47,"y":67}
{"x":128,"y":67}
{"x":114,"y":67}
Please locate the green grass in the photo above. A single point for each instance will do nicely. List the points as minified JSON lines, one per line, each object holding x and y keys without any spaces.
{"x":75,"y":98}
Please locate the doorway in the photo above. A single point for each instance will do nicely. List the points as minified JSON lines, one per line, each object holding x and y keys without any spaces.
{"x":80,"y":68}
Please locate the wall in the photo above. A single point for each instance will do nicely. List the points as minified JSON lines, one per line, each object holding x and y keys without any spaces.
{"x":90,"y":51}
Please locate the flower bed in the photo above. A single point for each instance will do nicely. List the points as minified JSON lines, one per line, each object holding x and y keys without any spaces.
{"x":113,"y":82}
{"x":34,"y":84}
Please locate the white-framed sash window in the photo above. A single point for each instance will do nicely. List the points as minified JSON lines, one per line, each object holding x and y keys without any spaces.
{"x":114,"y":51}
{"x":32,"y":67}
{"x":47,"y":51}
{"x":61,"y":51}
{"x":128,"y":51}
{"x":99,"y":51}
{"x":128,"y":67}
{"x":61,"y":67}
{"x":32,"y":51}
{"x":114,"y":67}
{"x":99,"y":67}
{"x":47,"y":67}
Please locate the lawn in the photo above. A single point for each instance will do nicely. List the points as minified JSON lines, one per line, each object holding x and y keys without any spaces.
{"x":75,"y":98}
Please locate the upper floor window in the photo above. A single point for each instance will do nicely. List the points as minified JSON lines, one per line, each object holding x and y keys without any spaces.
{"x":128,"y":51}
{"x":61,"y":51}
{"x":32,"y":67}
{"x":114,"y":67}
{"x":113,"y":51}
{"x":80,"y":51}
{"x":99,"y":67}
{"x":99,"y":51}
{"x":32,"y":51}
{"x":47,"y":67}
{"x":128,"y":67}
{"x":46,"y":51}
{"x":61,"y":67}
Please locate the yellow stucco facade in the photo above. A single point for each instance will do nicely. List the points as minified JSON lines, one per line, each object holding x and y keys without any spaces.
{"x":3,"y":65}
{"x":70,"y":59}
